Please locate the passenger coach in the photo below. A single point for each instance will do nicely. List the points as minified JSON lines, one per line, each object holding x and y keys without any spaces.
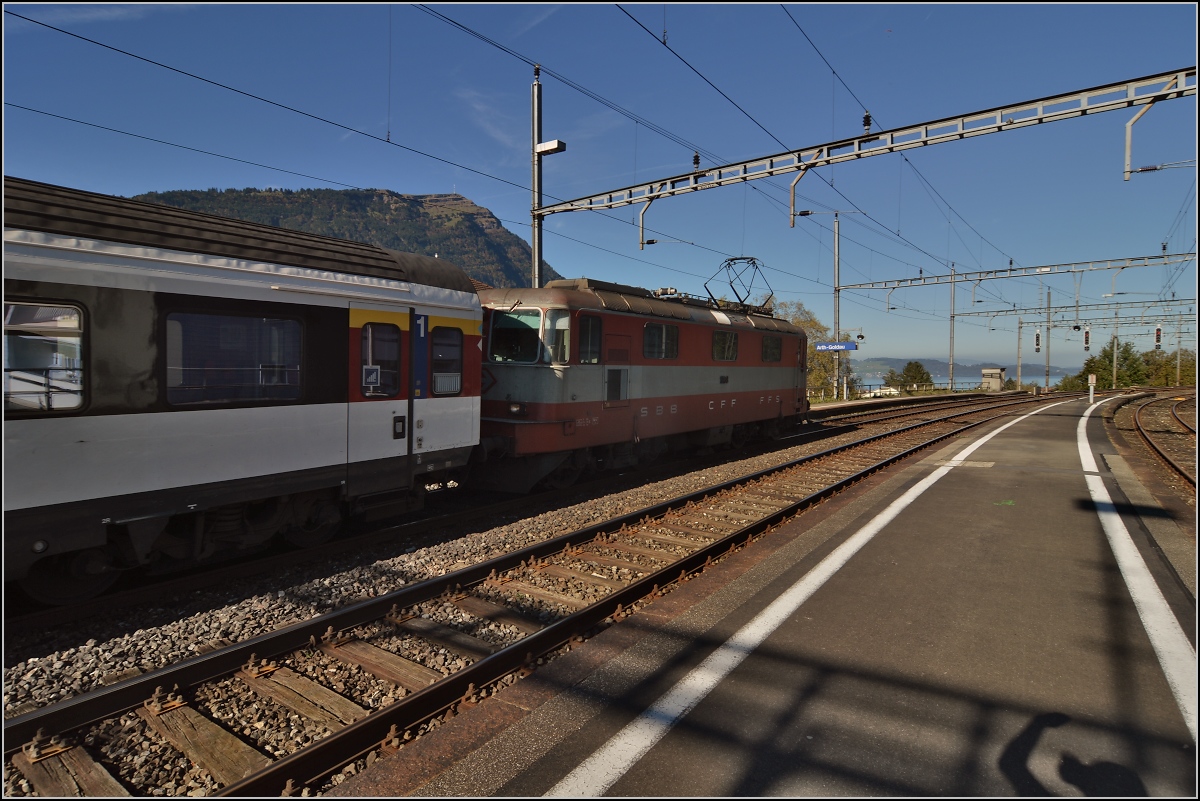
{"x":584,"y":373}
{"x":179,"y":384}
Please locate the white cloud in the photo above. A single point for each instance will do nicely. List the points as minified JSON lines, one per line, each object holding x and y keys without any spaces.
{"x":598,"y":125}
{"x":537,"y":20}
{"x":83,"y":14}
{"x":490,"y":120}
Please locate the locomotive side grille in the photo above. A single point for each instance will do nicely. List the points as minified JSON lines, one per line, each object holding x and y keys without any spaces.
{"x":447,"y":383}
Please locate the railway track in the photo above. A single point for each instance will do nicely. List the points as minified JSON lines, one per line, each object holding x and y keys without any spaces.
{"x":438,"y":644}
{"x":1165,"y":425}
{"x":453,"y":513}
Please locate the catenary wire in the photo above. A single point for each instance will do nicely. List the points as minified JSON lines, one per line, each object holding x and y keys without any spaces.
{"x":316,"y":117}
{"x":639,"y":120}
{"x":182,"y":147}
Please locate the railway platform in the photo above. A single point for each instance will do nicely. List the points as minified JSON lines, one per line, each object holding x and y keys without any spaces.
{"x":1010,"y":614}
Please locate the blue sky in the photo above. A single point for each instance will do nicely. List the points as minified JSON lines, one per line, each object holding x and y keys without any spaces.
{"x":1050,"y":194}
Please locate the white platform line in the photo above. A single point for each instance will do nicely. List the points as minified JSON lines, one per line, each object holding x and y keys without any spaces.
{"x":1175,"y":654}
{"x":613,"y":760}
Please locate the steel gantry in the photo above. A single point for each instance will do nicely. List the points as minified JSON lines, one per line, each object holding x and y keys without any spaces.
{"x":1143,"y":91}
{"x":1110,"y":97}
{"x":1036,"y":272}
{"x":1086,"y":308}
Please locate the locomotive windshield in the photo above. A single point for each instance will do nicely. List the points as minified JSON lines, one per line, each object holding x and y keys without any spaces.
{"x":515,"y":336}
{"x":558,"y":335}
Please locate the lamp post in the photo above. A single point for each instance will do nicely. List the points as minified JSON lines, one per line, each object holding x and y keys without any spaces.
{"x":1116,"y":345}
{"x":1047,"y":339}
{"x":837,"y":288}
{"x":952,"y":327}
{"x":844,"y":379}
{"x":540,"y":149}
{"x":1178,"y":346}
{"x":1020,"y":322}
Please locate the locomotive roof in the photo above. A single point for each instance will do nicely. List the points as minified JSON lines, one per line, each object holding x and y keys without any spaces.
{"x":589,"y":293}
{"x":34,"y":206}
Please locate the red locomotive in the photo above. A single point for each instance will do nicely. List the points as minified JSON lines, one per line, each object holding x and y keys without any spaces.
{"x":584,"y":374}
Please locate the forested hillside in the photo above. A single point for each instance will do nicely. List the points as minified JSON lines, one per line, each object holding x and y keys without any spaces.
{"x":449,"y":226}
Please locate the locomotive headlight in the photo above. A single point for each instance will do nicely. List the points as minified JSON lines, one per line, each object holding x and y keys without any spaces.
{"x":518,"y":409}
{"x":40,"y":546}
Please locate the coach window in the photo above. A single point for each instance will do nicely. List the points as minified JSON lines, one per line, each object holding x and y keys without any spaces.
{"x":725,"y":346}
{"x":216,"y":358}
{"x":380,"y":360}
{"x":515,"y":336}
{"x":447,"y":344}
{"x":558,"y":335}
{"x":589,"y":339}
{"x":43,"y":357}
{"x":772,"y":349}
{"x":660,"y":341}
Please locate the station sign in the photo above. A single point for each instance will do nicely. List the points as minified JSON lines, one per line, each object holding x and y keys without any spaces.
{"x":824,"y":346}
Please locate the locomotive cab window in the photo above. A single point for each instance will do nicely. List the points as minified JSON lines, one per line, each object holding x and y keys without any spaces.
{"x":660,"y":341}
{"x":589,"y":339}
{"x":380,"y":360}
{"x":516,"y":336}
{"x":219,"y":358}
{"x":725,"y":346}
{"x":43,"y":357}
{"x":558,"y":336}
{"x":447,"y":344}
{"x":772,"y":349}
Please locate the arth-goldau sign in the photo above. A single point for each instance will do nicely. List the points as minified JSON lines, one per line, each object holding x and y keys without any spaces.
{"x":837,"y":346}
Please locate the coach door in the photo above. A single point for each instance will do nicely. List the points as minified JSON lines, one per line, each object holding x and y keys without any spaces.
{"x":616,"y":371}
{"x":379,"y":432}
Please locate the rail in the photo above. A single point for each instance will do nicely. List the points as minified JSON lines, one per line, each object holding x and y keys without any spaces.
{"x":377,"y":730}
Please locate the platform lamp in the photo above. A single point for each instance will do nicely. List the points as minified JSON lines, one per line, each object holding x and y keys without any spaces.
{"x":540,"y":149}
{"x":837,"y":266}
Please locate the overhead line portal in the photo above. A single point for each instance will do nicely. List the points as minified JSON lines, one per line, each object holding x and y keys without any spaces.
{"x":1110,"y":97}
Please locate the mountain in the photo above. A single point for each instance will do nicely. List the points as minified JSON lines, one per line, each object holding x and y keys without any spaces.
{"x":448,"y":226}
{"x":878,"y":367}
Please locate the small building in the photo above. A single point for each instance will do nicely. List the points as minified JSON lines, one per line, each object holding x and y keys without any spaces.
{"x":993,"y":379}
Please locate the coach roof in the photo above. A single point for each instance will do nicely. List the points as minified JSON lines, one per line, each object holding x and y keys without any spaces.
{"x":33,"y":206}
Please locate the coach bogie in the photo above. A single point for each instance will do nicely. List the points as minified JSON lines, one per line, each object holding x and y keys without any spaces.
{"x":70,"y":577}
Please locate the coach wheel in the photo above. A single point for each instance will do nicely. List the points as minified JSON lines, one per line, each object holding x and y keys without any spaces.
{"x":319,"y":526}
{"x":70,"y":577}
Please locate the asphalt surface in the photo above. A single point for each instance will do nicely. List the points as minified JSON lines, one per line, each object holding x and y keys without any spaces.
{"x":983,"y":642}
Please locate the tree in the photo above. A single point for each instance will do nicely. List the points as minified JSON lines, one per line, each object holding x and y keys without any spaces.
{"x":1160,"y":368}
{"x":1131,"y":370}
{"x":821,"y":366}
{"x":914,"y":374}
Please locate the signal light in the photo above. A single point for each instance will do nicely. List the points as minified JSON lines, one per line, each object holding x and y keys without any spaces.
{"x":1037,"y":342}
{"x":1087,"y":339}
{"x":1158,"y":337}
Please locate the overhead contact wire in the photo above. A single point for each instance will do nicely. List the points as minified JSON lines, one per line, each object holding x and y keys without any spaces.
{"x":295,"y":111}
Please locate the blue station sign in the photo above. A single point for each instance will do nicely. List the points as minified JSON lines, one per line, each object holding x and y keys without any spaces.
{"x":823,"y":346}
